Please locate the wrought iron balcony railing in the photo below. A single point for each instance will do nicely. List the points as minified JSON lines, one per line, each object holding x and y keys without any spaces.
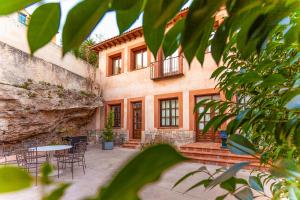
{"x":168,"y":67}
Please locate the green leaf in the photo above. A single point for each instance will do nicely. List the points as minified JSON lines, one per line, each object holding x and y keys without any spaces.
{"x":244,"y":194}
{"x":172,"y":38}
{"x":294,"y":193}
{"x":137,"y":173}
{"x":229,"y":185}
{"x":286,"y":168}
{"x":81,"y":21}
{"x":201,"y":51}
{"x":294,"y":103}
{"x":8,"y":7}
{"x":218,"y":43}
{"x":57,"y":193}
{"x":13,"y":179}
{"x":123,"y":5}
{"x":46,"y":171}
{"x":255,"y":183}
{"x":170,"y":9}
{"x":198,"y":20}
{"x":217,"y":72}
{"x":43,"y":26}
{"x":204,"y":182}
{"x":201,"y":169}
{"x":273,"y":79}
{"x":221,"y":197}
{"x":240,"y":145}
{"x":227,"y":174}
{"x":125,"y":18}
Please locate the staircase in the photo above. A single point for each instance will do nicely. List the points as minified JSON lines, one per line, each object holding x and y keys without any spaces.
{"x":132,"y":144}
{"x":208,"y":137}
{"x":212,"y":153}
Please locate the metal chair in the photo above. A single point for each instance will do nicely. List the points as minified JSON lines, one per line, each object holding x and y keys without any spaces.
{"x":29,"y":161}
{"x":69,"y":159}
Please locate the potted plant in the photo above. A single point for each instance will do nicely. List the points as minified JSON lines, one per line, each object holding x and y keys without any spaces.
{"x":108,"y":134}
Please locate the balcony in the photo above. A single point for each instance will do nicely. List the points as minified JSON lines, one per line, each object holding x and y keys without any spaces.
{"x":168,"y":68}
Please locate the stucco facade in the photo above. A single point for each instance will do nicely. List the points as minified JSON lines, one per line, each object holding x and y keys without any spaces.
{"x":137,"y":84}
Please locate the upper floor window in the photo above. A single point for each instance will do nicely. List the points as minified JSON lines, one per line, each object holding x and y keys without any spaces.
{"x":171,"y":64}
{"x":116,"y":109}
{"x":169,"y":113}
{"x":140,"y":58}
{"x":22,"y":18}
{"x":116,"y":65}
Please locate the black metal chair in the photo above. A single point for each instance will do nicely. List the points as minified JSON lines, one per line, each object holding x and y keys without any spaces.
{"x":30,"y":161}
{"x":69,"y":159}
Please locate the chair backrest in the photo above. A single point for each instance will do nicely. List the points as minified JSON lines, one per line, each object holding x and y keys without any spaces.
{"x":21,"y":158}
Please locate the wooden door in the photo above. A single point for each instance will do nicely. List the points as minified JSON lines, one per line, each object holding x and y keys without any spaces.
{"x":137,"y":120}
{"x":209,"y":136}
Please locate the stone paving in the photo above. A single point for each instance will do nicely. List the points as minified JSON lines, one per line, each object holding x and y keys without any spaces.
{"x":101,"y":165}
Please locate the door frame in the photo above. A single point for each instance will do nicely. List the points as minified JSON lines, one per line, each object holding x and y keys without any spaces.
{"x":192,"y":99}
{"x":130,"y":101}
{"x":132,"y":113}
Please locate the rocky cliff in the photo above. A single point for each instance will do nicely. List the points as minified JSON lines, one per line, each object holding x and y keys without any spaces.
{"x":44,"y":111}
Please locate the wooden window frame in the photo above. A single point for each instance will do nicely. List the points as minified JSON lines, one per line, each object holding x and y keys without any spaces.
{"x":119,"y":58}
{"x":135,"y":52}
{"x":118,"y":120}
{"x":170,"y":113}
{"x":192,"y":103}
{"x":109,"y":62}
{"x":131,"y":60}
{"x":108,"y":105}
{"x":157,"y":99}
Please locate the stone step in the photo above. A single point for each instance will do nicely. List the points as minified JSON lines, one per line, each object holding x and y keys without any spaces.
{"x":221,"y":155}
{"x":132,"y":144}
{"x":204,"y":149}
{"x":224,"y":162}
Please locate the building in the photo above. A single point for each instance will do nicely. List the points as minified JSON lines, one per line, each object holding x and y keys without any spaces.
{"x":149,"y":97}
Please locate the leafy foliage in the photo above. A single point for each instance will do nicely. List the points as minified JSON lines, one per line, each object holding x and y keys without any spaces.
{"x":13,"y":179}
{"x":140,"y":172}
{"x":260,"y":107}
{"x":43,"y":26}
{"x":259,"y":79}
{"x":108,"y":134}
{"x":259,"y":18}
{"x":85,"y":53}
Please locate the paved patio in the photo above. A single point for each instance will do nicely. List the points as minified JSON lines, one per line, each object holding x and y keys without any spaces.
{"x":102,"y":164}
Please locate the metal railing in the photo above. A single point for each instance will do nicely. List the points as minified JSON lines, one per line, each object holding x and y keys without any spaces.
{"x":166,"y":68}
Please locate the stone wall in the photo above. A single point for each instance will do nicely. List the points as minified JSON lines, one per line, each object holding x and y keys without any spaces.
{"x":17,"y":66}
{"x":44,"y":111}
{"x":178,"y":137}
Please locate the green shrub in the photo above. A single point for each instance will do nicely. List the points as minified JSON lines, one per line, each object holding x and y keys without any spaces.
{"x":108,"y":134}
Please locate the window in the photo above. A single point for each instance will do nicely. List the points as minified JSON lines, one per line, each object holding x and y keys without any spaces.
{"x":22,"y":18}
{"x":140,"y":59}
{"x":171,"y":63}
{"x":116,"y":109}
{"x":242,"y":100}
{"x":116,"y":65}
{"x":169,"y":113}
{"x":209,"y":113}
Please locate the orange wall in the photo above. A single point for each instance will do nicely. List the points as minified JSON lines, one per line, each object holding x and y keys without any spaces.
{"x":137,"y":83}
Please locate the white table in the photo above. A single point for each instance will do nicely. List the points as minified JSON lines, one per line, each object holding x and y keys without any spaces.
{"x":49,"y":149}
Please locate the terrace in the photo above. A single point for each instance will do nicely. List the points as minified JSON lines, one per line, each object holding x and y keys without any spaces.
{"x":101,"y":165}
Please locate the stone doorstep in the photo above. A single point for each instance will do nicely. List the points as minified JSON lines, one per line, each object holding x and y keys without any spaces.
{"x":226,"y":163}
{"x":221,"y":155}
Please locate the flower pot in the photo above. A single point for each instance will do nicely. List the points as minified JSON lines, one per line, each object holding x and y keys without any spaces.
{"x":223,"y":135}
{"x":107,"y":145}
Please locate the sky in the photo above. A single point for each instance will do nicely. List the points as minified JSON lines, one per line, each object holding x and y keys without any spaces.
{"x":107,"y":28}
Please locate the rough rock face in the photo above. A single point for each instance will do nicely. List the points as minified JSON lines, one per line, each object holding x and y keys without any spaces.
{"x":44,"y":111}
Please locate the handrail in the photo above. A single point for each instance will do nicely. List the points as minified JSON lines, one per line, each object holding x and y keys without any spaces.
{"x":168,"y":67}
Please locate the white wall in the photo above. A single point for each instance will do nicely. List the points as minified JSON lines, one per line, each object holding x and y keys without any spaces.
{"x":14,"y":34}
